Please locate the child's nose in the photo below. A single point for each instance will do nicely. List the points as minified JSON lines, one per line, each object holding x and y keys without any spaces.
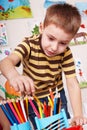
{"x":54,"y":47}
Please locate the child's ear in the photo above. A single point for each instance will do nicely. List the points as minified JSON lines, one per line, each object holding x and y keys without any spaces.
{"x":41,"y":27}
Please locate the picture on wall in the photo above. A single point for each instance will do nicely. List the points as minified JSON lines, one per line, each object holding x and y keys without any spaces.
{"x":48,"y":3}
{"x":3,"y":34}
{"x":81,"y":73}
{"x":12,"y":9}
{"x":82,"y":6}
{"x":81,"y":36}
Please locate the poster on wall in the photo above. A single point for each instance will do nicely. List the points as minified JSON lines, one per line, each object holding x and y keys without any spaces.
{"x":3,"y":35}
{"x":4,"y":52}
{"x":82,"y":6}
{"x":81,"y":73}
{"x":12,"y":9}
{"x":81,"y":36}
{"x":48,"y":3}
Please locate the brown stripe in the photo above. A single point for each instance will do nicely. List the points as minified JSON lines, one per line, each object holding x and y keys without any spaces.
{"x":38,"y":74}
{"x":68,"y":65}
{"x":23,"y":48}
{"x":67,"y":57}
{"x":42,"y":67}
{"x":69,"y":72}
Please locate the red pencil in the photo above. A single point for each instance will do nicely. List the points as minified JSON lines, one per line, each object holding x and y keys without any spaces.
{"x":45,"y":109}
{"x":20,"y":109}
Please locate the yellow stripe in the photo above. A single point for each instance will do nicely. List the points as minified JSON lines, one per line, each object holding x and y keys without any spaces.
{"x":69,"y":68}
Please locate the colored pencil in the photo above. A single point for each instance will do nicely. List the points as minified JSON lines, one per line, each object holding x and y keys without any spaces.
{"x":40,"y":110}
{"x":23,"y":108}
{"x":45,"y":110}
{"x":34,"y":108}
{"x":11,"y":113}
{"x":37,"y":100}
{"x":13,"y":110}
{"x":7,"y":114}
{"x":20,"y":109}
{"x":51,"y":94}
{"x":50,"y":101}
{"x":26,"y":105}
{"x":16,"y":108}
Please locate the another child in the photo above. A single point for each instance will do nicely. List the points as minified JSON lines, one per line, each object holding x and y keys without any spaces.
{"x":45,"y":57}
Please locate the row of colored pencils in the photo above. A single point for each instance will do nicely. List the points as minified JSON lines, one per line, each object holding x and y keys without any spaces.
{"x":17,"y":111}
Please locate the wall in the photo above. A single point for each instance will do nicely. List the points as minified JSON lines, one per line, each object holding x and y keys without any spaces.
{"x":17,"y":29}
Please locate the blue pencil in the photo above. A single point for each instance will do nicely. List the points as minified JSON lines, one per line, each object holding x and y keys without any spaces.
{"x":55,"y":106}
{"x":7,"y":114}
{"x":56,"y":102}
{"x":11,"y":113}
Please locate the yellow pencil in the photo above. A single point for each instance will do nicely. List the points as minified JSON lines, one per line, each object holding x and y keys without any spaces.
{"x":40,"y":110}
{"x":50,"y":101}
{"x":51,"y":94}
{"x":26,"y":103}
{"x":38,"y":101}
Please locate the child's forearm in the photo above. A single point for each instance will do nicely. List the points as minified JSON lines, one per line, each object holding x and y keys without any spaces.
{"x":75,"y":98}
{"x":76,"y":103}
{"x":8,"y":69}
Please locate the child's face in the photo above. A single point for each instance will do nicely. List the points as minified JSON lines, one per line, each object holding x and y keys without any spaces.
{"x":54,"y":40}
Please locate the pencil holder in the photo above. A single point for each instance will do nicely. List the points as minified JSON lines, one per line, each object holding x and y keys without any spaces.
{"x":23,"y":126}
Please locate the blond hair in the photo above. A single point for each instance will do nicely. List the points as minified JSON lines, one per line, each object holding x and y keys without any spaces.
{"x":65,"y":16}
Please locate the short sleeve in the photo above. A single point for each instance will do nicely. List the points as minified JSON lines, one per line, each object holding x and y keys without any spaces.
{"x":23,"y":49}
{"x":68,"y":64}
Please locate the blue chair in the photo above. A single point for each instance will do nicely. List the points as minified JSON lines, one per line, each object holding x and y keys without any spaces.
{"x":55,"y":122}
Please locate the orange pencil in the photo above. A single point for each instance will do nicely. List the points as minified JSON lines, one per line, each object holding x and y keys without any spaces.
{"x":37,"y":100}
{"x":51,"y":94}
{"x":16,"y":108}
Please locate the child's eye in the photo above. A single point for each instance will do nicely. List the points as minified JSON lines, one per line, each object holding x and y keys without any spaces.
{"x":50,"y":38}
{"x":63,"y":43}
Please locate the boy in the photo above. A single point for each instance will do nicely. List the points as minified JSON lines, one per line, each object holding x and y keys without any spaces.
{"x":45,"y":57}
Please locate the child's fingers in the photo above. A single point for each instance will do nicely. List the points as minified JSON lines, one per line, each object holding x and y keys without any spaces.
{"x":23,"y":84}
{"x":28,"y":85}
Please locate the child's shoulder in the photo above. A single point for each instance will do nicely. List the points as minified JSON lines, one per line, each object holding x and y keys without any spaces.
{"x":32,"y":38}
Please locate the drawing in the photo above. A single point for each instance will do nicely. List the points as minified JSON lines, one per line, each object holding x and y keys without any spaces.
{"x":48,"y":3}
{"x":82,"y":6}
{"x":79,"y":35}
{"x":82,"y":79}
{"x":4,"y":52}
{"x":11,"y":9}
{"x":3,"y":34}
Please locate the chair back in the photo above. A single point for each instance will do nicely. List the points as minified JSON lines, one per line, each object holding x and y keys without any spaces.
{"x":55,"y":122}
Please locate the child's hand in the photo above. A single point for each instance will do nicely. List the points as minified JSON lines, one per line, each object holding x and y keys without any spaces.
{"x":78,"y":121}
{"x":23,"y":84}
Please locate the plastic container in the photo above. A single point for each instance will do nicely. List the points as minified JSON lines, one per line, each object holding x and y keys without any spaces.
{"x":23,"y":126}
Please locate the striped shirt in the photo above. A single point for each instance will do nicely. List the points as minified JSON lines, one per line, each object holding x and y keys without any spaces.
{"x":45,"y":71}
